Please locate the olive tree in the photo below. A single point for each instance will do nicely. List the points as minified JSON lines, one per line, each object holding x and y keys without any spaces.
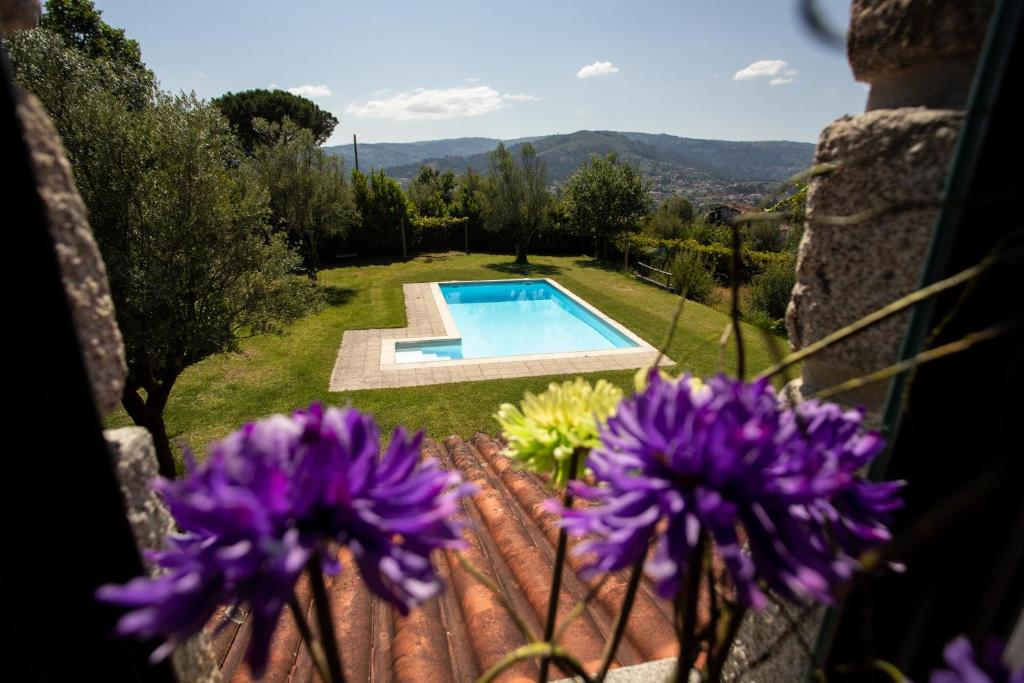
{"x":182,"y":225}
{"x":195,"y":267}
{"x":515,"y":197}
{"x":310,"y":200}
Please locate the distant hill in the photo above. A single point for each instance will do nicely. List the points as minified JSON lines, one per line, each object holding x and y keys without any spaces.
{"x":707,"y":171}
{"x":391,"y":154}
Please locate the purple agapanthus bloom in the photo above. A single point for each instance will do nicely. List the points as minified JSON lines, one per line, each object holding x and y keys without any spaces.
{"x":272,"y":494}
{"x":963,"y":668}
{"x":683,"y":460}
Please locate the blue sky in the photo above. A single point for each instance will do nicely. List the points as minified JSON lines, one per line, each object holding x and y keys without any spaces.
{"x":402,"y":71}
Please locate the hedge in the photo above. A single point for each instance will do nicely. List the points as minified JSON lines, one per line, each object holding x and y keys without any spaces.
{"x":717,"y":257}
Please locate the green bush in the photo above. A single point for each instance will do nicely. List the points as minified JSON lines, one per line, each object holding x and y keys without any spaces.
{"x":771,"y":289}
{"x":764,"y":236}
{"x":691,"y":275}
{"x":710,"y":233}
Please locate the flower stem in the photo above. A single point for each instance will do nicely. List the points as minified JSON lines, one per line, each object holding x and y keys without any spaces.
{"x":686,"y":611}
{"x":717,"y":659}
{"x":621,"y":619}
{"x":316,"y":650}
{"x":556,"y":578}
{"x":324,"y":620}
{"x":531,"y":650}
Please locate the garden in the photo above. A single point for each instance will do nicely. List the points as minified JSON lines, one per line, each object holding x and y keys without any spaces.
{"x":808,"y":504}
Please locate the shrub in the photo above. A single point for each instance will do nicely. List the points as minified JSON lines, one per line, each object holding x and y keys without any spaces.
{"x":710,"y":234}
{"x":771,"y":289}
{"x":665,"y":225}
{"x":764,"y":236}
{"x":690,"y":274}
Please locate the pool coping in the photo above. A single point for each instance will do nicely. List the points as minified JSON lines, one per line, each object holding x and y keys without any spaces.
{"x":366,"y":358}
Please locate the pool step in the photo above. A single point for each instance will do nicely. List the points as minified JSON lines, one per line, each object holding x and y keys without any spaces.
{"x":418,"y":357}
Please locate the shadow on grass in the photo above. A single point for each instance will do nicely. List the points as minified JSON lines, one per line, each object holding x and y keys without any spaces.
{"x":432,"y":257}
{"x":336,"y":296}
{"x":357,"y":260}
{"x":512,"y":268}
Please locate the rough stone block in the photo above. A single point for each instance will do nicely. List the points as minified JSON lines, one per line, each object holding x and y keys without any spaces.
{"x":134,"y":459}
{"x":18,"y":15}
{"x":894,"y":165}
{"x":917,"y":52}
{"x":892,"y":35}
{"x":82,"y":269}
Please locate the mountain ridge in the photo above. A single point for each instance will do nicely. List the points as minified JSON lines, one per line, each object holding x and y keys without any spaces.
{"x":707,"y":171}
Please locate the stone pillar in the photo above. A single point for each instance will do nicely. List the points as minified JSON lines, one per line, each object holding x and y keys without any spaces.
{"x":918,"y":57}
{"x":134,"y":458}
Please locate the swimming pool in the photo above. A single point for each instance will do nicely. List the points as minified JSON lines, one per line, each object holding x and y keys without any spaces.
{"x":514,"y":318}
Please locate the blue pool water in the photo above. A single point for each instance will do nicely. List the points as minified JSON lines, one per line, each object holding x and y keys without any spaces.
{"x":514,"y":318}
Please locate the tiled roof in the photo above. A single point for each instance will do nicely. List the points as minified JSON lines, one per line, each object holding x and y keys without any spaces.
{"x":465,"y":631}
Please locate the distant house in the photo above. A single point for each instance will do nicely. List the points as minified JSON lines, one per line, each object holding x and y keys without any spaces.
{"x":721,"y":214}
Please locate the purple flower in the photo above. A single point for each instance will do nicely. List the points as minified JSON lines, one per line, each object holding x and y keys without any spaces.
{"x":683,"y":459}
{"x":963,"y":668}
{"x":272,"y":494}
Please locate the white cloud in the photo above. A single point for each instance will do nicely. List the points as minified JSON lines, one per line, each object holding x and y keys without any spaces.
{"x":472,"y":79}
{"x":382,"y":91}
{"x":776,"y":69}
{"x":521,"y":97}
{"x":437,"y":104}
{"x":311,"y":91}
{"x":597,"y":69}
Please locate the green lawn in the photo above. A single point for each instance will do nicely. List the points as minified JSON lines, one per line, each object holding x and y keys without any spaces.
{"x":280,"y":373}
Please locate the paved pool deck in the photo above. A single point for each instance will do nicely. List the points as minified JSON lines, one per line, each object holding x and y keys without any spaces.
{"x":366,"y":357}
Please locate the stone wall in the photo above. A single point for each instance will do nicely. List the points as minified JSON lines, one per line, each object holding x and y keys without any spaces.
{"x":134,"y":459}
{"x":88,"y":292}
{"x":918,"y":57}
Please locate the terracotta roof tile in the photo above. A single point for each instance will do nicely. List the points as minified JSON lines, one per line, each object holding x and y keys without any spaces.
{"x":511,"y":541}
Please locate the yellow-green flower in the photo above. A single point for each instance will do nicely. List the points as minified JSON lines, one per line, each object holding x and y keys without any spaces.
{"x":643,"y":376}
{"x":548,"y":427}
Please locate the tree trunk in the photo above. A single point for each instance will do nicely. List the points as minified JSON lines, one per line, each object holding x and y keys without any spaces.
{"x":149,"y":413}
{"x":314,"y":259}
{"x":404,"y":254}
{"x":521,"y":254}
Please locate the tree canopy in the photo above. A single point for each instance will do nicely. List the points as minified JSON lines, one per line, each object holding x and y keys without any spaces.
{"x":384,"y":209}
{"x":80,"y":25}
{"x":432,"y":193}
{"x":243,"y":108}
{"x":678,"y":206}
{"x":182,"y":226}
{"x":605,"y":196}
{"x":309,"y":198}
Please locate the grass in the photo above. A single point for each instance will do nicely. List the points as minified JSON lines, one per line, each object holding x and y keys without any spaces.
{"x":279,"y":373}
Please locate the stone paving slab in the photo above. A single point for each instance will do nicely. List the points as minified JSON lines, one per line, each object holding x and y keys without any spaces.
{"x":358,"y":365}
